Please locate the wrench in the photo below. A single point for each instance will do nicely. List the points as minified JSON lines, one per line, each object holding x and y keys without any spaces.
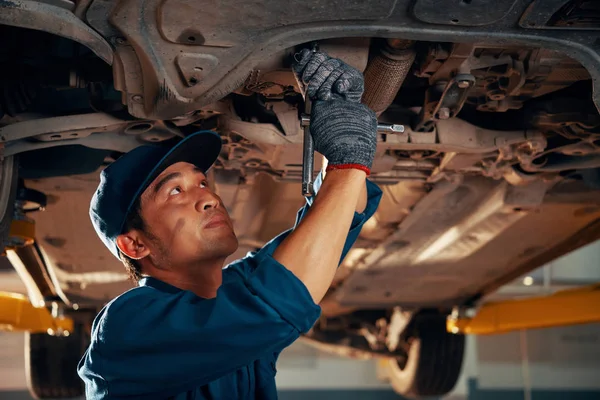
{"x":308,"y":155}
{"x":308,"y":150}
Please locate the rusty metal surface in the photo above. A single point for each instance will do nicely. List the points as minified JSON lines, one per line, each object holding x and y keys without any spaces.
{"x":93,"y":130}
{"x":506,"y":77}
{"x":56,"y":20}
{"x":228,"y":45}
{"x":384,"y":77}
{"x":58,"y":125}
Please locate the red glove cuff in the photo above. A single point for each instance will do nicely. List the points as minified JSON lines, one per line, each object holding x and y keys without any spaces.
{"x":331,"y":167}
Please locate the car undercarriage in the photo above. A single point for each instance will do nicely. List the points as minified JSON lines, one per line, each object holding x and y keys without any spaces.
{"x":496,"y":172}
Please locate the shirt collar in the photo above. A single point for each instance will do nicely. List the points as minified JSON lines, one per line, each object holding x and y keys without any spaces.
{"x":159,"y":285}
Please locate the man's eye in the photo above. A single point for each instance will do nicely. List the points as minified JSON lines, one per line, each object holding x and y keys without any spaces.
{"x":203,"y":184}
{"x":175,"y":191}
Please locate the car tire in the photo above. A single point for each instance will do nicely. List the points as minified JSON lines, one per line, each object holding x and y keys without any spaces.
{"x":434,"y":361}
{"x":51,"y":364}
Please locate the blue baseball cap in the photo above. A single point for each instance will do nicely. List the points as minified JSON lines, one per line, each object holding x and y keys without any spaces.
{"x":123,"y":181}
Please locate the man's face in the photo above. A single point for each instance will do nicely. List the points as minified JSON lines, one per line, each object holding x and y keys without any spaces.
{"x":186,"y":219}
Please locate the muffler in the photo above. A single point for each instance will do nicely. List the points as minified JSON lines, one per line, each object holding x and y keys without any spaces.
{"x":386,"y":73}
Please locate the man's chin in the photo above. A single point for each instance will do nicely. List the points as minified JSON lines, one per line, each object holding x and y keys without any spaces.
{"x":228,"y":244}
{"x":233,"y":249}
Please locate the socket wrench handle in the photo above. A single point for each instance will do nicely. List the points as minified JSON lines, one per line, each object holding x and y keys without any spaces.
{"x":308,"y":155}
{"x":308,"y":151}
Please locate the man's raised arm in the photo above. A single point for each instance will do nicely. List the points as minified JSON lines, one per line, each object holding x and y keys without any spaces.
{"x":345,"y":132}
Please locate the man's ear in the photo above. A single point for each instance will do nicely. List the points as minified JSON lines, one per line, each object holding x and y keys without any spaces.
{"x":132,"y":245}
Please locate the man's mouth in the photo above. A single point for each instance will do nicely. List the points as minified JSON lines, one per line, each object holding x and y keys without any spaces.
{"x":216,"y":221}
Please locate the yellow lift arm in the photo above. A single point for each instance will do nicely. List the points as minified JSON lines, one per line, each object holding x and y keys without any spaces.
{"x":567,"y":307}
{"x":18,"y":314}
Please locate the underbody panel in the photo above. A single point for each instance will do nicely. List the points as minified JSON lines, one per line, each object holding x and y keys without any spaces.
{"x":462,"y":237}
{"x":203,"y":51}
{"x":177,"y":56}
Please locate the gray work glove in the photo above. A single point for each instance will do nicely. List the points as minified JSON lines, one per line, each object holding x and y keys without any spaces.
{"x":327,"y":77}
{"x":343,"y":129}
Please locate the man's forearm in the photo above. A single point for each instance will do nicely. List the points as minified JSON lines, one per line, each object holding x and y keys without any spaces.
{"x":312,"y":251}
{"x":361,"y":204}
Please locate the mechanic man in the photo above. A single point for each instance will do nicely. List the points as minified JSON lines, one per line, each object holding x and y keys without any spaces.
{"x":192,"y":329}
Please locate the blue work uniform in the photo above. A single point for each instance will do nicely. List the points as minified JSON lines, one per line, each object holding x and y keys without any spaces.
{"x":157,"y":341}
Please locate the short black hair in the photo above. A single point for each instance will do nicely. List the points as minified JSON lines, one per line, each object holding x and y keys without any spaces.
{"x":134,"y":220}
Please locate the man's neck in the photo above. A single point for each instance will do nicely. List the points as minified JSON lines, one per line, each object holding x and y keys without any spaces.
{"x":203,"y":280}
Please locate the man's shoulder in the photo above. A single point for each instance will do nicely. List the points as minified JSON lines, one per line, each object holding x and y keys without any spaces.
{"x":243,"y":267}
{"x":249,"y":262}
{"x":133,"y":298}
{"x":240,"y":267}
{"x":123,"y":308}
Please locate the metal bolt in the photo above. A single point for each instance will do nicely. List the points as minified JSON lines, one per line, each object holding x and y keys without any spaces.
{"x":390,"y":128}
{"x":443,"y":113}
{"x":137,"y":98}
{"x":381,"y":127}
{"x":464,"y":84}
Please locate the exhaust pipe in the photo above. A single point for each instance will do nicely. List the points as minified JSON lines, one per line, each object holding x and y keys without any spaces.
{"x":386,"y":73}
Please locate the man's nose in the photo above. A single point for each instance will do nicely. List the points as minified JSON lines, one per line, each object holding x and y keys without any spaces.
{"x":206,"y":201}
